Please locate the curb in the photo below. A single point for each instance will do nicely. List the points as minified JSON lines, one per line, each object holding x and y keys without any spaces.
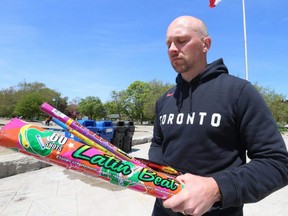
{"x":16,"y":163}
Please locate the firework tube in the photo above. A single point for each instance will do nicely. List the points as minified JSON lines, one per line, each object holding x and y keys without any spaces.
{"x":53,"y":148}
{"x":156,"y":166}
{"x":159,"y":167}
{"x":45,"y":107}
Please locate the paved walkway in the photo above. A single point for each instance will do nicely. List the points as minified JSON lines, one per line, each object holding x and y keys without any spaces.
{"x":56,"y":191}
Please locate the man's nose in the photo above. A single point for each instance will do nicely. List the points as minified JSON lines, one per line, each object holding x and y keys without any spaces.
{"x":173,"y":48}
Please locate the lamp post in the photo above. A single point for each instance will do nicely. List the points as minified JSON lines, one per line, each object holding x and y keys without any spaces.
{"x":56,"y":102}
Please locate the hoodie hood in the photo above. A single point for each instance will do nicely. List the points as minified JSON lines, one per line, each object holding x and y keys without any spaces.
{"x":185,"y":89}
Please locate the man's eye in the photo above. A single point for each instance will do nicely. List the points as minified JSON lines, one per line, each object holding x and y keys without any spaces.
{"x":182,"y":41}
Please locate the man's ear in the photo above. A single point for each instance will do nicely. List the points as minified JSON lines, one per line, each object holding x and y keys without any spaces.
{"x":206,"y":44}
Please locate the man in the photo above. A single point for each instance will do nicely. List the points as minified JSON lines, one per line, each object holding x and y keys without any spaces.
{"x":204,"y":127}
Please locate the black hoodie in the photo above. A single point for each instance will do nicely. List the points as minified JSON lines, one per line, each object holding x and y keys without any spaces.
{"x":206,"y":127}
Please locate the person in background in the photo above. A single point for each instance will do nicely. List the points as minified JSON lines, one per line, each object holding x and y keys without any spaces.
{"x":47,"y":121}
{"x":206,"y":125}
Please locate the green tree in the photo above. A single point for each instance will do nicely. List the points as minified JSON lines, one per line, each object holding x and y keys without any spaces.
{"x":28,"y":106}
{"x":92,"y":107}
{"x":120,"y":103}
{"x":157,"y":88}
{"x":111,"y":108}
{"x":275,"y":102}
{"x":7,"y":101}
{"x":138,"y":95}
{"x":10,"y":97}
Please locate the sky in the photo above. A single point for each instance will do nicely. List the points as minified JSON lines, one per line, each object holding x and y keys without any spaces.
{"x":93,"y":47}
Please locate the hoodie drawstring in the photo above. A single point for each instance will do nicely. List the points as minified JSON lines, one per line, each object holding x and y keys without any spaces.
{"x":190,"y":99}
{"x":180,"y":99}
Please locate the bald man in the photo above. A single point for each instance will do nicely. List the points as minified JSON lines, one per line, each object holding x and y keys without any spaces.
{"x":205,"y":125}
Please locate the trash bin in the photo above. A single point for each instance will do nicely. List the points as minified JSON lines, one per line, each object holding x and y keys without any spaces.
{"x":127,"y":144}
{"x":89,"y":124}
{"x":119,"y":134}
{"x":105,"y":129}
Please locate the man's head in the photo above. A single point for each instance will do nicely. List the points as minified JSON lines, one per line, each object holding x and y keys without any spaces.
{"x":188,"y":42}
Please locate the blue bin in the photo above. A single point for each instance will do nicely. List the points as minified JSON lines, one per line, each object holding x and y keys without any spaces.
{"x":105,"y":129}
{"x":87,"y":123}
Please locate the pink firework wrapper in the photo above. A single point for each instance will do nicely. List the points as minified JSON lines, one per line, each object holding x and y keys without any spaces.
{"x":156,"y":166}
{"x":56,"y":149}
{"x":87,"y":136}
{"x":45,"y":107}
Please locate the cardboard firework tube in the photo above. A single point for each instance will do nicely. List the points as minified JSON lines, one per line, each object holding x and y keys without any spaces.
{"x":156,"y":166}
{"x":53,"y":148}
{"x":48,"y":109}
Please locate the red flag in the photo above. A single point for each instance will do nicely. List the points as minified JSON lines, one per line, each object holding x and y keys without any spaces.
{"x":213,"y":3}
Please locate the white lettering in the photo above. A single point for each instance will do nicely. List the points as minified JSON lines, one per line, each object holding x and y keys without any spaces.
{"x":215,"y":120}
{"x":170,"y":118}
{"x":180,"y":117}
{"x":190,"y":119}
{"x":163,"y":119}
{"x":202,"y":115}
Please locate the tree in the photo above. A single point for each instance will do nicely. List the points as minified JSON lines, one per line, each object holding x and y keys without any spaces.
{"x":157,"y":88}
{"x":138,"y":101}
{"x":72,"y":108}
{"x":275,"y":103}
{"x":138,"y":95}
{"x":7,"y":101}
{"x":119,"y":103}
{"x":111,"y":108}
{"x":28,"y":106}
{"x":9,"y":98}
{"x":92,"y":107}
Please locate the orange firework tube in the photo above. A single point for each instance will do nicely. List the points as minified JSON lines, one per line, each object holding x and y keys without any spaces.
{"x":48,"y":109}
{"x":156,"y":166}
{"x":69,"y":123}
{"x":54,"y":148}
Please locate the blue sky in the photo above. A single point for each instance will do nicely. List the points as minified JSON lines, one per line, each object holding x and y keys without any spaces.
{"x":92,"y":47}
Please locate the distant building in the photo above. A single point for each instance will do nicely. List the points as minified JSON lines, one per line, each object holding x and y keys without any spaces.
{"x":114,"y":117}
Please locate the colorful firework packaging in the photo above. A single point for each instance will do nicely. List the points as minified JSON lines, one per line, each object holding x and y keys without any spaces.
{"x":140,"y":161}
{"x":54,"y":148}
{"x":92,"y":139}
{"x":75,"y":126}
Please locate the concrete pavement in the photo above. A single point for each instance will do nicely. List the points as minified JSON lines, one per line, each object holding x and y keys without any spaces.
{"x":56,"y":191}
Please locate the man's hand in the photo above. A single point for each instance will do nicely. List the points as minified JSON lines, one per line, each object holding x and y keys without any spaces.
{"x":197,"y":197}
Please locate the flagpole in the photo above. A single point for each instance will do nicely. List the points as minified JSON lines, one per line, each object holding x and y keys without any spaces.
{"x":245,"y":40}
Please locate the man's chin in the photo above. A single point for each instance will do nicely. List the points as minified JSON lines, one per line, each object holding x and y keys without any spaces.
{"x":178,"y":69}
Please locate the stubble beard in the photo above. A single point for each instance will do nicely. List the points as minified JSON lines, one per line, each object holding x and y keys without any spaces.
{"x":182,"y":68}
